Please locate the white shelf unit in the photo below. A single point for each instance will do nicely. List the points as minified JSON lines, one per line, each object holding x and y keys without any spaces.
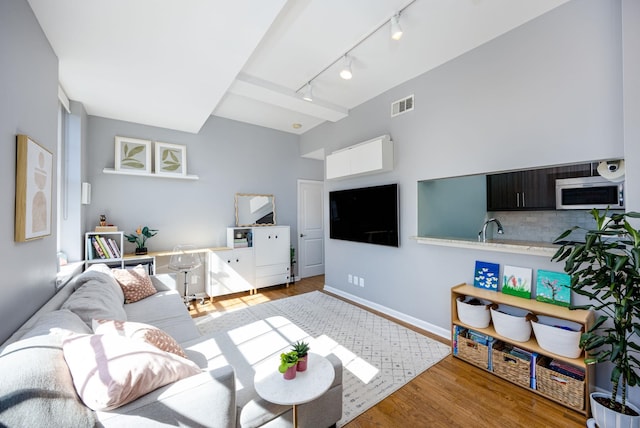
{"x":107,"y":243}
{"x":145,"y":174}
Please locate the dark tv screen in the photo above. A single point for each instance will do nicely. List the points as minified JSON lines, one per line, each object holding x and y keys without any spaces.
{"x":368,"y":214}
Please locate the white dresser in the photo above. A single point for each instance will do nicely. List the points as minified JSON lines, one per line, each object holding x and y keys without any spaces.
{"x":258,"y":257}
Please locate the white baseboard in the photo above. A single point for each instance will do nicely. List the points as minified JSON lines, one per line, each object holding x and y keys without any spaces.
{"x":431,"y":328}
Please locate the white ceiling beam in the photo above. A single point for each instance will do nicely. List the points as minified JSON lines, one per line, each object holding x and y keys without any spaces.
{"x":268,"y":92}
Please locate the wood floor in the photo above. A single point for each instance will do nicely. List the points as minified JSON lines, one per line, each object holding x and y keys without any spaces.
{"x":450,"y":394}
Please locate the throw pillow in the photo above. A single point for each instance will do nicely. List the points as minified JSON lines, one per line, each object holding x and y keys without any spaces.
{"x":138,"y":330}
{"x":110,"y":371}
{"x":136,"y":283}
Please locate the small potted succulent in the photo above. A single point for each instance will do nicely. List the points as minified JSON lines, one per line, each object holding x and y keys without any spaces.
{"x":140,"y":238}
{"x":301,"y":349}
{"x":288,"y":363}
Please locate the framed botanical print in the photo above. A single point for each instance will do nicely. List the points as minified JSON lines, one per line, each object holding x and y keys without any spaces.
{"x":170,"y":159}
{"x":133,"y":155}
{"x":34,"y":170}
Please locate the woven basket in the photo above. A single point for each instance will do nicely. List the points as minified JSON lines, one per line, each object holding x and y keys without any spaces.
{"x":561,"y":387}
{"x":473,"y":352}
{"x":510,"y":367}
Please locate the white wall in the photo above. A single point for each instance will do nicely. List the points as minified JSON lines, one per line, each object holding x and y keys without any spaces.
{"x":28,"y":105}
{"x":546,"y":93}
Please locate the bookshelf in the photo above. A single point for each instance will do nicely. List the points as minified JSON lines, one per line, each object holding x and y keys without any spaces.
{"x":104,"y":247}
{"x":583,"y":317}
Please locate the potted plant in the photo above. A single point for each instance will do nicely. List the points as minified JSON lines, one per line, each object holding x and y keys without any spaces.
{"x":288,"y":362}
{"x":140,"y":238}
{"x":301,"y":349}
{"x":605,"y":269}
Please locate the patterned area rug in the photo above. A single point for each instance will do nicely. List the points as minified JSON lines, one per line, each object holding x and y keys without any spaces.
{"x":378,"y":356}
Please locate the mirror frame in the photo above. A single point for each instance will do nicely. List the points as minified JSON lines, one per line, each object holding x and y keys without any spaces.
{"x":241,"y":196}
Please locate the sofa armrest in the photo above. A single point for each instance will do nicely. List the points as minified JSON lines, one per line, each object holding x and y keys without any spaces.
{"x":160,"y":284}
{"x":205,"y":400}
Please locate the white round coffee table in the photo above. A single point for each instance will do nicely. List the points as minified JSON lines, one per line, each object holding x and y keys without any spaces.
{"x":308,"y":385}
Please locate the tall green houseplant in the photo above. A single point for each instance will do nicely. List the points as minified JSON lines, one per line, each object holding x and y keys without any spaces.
{"x":605,"y":269}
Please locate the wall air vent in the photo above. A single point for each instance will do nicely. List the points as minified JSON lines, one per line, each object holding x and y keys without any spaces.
{"x":402,"y":106}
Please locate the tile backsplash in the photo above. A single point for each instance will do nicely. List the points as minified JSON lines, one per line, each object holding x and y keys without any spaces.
{"x":539,"y":226}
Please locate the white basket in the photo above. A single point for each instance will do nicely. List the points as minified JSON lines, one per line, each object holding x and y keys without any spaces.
{"x":477,"y":316}
{"x":555,"y":339}
{"x":511,"y":323}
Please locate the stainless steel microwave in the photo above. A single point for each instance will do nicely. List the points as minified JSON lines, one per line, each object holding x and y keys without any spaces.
{"x":589,"y":192}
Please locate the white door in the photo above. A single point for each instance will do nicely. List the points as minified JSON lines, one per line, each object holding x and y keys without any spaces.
{"x":310,"y":257}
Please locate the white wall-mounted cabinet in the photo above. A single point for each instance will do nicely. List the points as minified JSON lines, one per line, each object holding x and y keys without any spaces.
{"x":370,"y":157}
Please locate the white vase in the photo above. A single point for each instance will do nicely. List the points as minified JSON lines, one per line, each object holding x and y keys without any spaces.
{"x":607,"y":418}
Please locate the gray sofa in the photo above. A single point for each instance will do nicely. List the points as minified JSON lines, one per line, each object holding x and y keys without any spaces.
{"x":37,"y":387}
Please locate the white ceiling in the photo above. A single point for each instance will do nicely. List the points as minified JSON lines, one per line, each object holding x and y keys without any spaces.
{"x":172,"y":64}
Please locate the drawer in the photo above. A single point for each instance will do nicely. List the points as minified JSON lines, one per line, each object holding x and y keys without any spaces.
{"x":278,"y":269}
{"x":266,"y":281}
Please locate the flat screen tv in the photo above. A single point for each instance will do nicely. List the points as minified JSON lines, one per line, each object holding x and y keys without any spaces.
{"x":368,"y":214}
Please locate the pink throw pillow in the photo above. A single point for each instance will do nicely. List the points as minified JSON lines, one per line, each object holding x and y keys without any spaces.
{"x":137,"y":330}
{"x":109,"y":371}
{"x":135,"y":283}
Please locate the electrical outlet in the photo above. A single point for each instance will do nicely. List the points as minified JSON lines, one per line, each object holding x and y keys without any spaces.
{"x":350,"y":279}
{"x":361,"y":282}
{"x":355,"y":280}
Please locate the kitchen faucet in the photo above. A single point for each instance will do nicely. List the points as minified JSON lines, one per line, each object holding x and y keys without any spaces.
{"x":482,"y":235}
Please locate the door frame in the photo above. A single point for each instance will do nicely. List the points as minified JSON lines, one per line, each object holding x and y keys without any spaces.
{"x":300,"y":222}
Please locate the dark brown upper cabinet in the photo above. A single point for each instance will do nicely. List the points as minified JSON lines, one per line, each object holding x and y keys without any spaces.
{"x":529,"y":190}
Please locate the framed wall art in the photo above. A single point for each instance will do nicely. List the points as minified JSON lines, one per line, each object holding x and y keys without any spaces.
{"x":133,"y":155}
{"x":170,"y":159}
{"x":34,"y":170}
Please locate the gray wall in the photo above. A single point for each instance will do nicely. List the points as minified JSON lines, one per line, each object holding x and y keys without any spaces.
{"x":28,"y":105}
{"x":228,"y":157}
{"x":546,"y":93}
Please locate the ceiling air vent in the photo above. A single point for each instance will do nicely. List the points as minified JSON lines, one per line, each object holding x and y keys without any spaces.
{"x":402,"y":106}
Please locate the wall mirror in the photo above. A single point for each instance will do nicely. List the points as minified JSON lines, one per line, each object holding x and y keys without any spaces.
{"x":255,"y":209}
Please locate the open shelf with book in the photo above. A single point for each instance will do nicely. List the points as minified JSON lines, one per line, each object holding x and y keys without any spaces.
{"x":565,"y":380}
{"x":104,"y":247}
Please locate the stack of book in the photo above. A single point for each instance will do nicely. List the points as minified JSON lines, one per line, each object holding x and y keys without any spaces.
{"x":240,"y":242}
{"x":480,"y":338}
{"x":566,"y":369}
{"x":103,"y":248}
{"x":521,"y":353}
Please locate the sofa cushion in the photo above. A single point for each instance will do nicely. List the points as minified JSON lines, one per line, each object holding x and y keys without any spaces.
{"x":164,"y":310}
{"x":135,"y":283}
{"x":98,"y":297}
{"x":109,"y":371}
{"x":36,"y":387}
{"x":137,"y":330}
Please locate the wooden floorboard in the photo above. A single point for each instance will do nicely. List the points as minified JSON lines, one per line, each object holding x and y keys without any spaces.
{"x":450,"y":394}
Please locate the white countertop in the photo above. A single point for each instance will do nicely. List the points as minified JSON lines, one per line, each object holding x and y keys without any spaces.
{"x":532,"y":248}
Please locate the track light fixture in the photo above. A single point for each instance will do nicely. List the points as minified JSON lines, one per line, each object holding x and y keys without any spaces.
{"x":346,"y":73}
{"x":308,"y":95}
{"x":396,"y":30}
{"x":345,"y":70}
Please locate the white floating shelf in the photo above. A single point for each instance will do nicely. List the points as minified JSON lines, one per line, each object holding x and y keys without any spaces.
{"x":144,"y":174}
